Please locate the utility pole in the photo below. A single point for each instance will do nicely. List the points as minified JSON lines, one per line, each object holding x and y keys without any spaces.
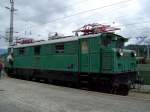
{"x":11,"y":9}
{"x":147,"y":51}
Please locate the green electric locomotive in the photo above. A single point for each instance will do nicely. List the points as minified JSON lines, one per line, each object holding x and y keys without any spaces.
{"x":91,"y":61}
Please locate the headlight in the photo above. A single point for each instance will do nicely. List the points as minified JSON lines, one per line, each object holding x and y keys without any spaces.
{"x":133,"y":54}
{"x":120,"y":52}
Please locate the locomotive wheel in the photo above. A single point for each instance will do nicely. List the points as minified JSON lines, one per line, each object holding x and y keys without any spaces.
{"x":126,"y":91}
{"x":123,"y":90}
{"x":37,"y":79}
{"x":114,"y":90}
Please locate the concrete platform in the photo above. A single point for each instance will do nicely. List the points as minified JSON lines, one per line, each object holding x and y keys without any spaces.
{"x":26,"y":96}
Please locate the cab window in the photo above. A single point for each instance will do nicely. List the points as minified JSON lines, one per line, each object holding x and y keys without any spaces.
{"x":120,"y":43}
{"x":106,"y":40}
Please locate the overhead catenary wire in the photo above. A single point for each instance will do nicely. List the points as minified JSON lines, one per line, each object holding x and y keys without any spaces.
{"x":135,"y":23}
{"x":82,"y":12}
{"x":130,"y":24}
{"x":73,"y":4}
{"x":90,"y":10}
{"x":137,"y":31}
{"x":97,"y":13}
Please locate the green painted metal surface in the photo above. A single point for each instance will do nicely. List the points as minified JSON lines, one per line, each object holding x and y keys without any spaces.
{"x":48,"y":59}
{"x":90,"y":55}
{"x":107,"y":61}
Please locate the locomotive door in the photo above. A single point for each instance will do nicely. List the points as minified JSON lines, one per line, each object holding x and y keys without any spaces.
{"x":84,"y":55}
{"x":37,"y":57}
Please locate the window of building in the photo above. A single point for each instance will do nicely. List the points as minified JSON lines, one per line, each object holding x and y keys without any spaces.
{"x":21,"y":51}
{"x":59,"y":48}
{"x":37,"y":50}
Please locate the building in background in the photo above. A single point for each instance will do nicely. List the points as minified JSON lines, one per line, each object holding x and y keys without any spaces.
{"x":141,"y":50}
{"x":143,"y":60}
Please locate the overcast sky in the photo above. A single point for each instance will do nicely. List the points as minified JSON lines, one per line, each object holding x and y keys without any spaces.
{"x":36,"y":18}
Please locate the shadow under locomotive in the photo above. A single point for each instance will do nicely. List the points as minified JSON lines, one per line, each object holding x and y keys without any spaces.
{"x":118,"y":84}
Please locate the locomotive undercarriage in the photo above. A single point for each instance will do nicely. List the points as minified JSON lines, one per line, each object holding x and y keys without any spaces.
{"x":108,"y":83}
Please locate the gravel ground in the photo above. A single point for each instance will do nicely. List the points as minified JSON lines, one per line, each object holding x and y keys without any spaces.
{"x":25,"y":96}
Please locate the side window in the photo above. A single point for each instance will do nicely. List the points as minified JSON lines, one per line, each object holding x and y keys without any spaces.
{"x":21,"y":51}
{"x":37,"y":50}
{"x":120,"y":43}
{"x":59,"y":48}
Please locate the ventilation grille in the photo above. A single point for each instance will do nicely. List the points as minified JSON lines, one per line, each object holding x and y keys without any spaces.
{"x":107,"y":59}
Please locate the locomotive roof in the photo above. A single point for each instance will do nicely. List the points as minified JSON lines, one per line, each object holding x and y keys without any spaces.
{"x":67,"y":39}
{"x":73,"y":38}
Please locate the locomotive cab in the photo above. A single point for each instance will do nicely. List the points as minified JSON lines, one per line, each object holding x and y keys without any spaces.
{"x":121,"y":60}
{"x":117,"y":61}
{"x":113,"y":41}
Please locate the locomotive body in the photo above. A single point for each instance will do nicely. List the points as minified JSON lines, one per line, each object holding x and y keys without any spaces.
{"x":96,"y":60}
